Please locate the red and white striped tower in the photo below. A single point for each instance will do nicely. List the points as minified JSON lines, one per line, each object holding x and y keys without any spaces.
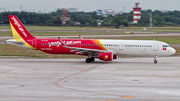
{"x":137,"y":13}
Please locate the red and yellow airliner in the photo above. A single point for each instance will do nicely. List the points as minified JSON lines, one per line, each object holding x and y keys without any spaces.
{"x":106,"y":50}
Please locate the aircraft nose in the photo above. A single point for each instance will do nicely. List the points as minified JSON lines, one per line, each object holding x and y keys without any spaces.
{"x":173,"y":51}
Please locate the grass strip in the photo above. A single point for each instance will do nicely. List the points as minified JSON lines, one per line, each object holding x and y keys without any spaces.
{"x":157,"y":29}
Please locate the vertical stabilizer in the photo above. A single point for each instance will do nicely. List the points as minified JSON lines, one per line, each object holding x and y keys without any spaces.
{"x":20,"y":33}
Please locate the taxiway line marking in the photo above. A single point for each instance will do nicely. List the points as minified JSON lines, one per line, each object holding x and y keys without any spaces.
{"x":56,"y":83}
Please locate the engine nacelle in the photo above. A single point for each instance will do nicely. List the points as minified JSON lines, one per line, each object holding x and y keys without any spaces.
{"x":106,"y":56}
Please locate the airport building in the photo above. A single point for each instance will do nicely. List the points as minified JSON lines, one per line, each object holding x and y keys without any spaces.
{"x":109,"y":12}
{"x":106,"y":12}
{"x":72,"y":9}
{"x":99,"y":12}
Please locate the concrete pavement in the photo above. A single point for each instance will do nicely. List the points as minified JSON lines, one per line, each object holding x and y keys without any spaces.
{"x":125,"y":79}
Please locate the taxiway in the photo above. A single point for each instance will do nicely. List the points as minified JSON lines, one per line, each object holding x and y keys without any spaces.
{"x":125,"y":79}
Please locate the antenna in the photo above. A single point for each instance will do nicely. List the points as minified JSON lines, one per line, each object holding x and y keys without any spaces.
{"x":150,"y":20}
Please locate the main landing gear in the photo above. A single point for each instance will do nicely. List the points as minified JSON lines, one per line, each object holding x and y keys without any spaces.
{"x":155,"y":60}
{"x":88,"y":60}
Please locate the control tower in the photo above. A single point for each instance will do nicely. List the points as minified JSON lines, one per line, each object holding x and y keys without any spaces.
{"x":137,"y":13}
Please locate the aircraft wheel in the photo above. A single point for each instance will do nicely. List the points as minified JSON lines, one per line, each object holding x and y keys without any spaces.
{"x":88,"y":60}
{"x":155,"y":61}
{"x":92,"y":59}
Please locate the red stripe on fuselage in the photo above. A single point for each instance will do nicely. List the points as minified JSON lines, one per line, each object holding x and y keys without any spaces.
{"x":54,"y":46}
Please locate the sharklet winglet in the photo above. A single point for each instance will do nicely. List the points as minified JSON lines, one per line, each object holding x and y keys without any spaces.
{"x":64,"y":45}
{"x":80,"y":37}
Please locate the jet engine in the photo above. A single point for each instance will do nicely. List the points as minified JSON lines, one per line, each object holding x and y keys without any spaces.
{"x":106,"y":56}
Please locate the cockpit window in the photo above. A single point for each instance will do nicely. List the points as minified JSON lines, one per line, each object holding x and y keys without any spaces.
{"x":165,"y":45}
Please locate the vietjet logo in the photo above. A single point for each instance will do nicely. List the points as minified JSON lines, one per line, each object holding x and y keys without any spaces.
{"x":54,"y":44}
{"x":57,"y":44}
{"x":106,"y":57}
{"x":19,"y":26}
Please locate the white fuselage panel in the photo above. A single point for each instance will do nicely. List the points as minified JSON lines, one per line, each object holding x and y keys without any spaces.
{"x":138,"y":47}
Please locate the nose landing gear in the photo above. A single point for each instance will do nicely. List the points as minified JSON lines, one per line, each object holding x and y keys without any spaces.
{"x":155,"y":60}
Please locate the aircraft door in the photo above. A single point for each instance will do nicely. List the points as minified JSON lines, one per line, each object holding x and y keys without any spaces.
{"x":121,"y":46}
{"x":155,"y":46}
{"x":34,"y":43}
{"x":79,"y":45}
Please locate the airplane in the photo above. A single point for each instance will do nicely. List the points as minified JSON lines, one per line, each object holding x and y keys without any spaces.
{"x":105,"y":50}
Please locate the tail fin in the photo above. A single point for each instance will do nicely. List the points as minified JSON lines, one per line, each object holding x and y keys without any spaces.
{"x":20,"y":33}
{"x":18,"y":29}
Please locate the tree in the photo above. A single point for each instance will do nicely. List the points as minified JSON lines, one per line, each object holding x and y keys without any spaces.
{"x":90,"y":18}
{"x":94,"y":23}
{"x":94,"y":15}
{"x":118,"y":20}
{"x":70,"y":22}
{"x":49,"y":22}
{"x":57,"y":21}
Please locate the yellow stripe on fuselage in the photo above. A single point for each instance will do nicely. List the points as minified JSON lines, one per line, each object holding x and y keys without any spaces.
{"x":102,"y":44}
{"x":18,"y":38}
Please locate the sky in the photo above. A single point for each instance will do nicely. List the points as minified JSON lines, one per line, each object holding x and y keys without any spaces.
{"x":87,"y":5}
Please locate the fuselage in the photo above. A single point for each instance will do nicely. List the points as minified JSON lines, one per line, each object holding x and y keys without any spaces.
{"x":117,"y":47}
